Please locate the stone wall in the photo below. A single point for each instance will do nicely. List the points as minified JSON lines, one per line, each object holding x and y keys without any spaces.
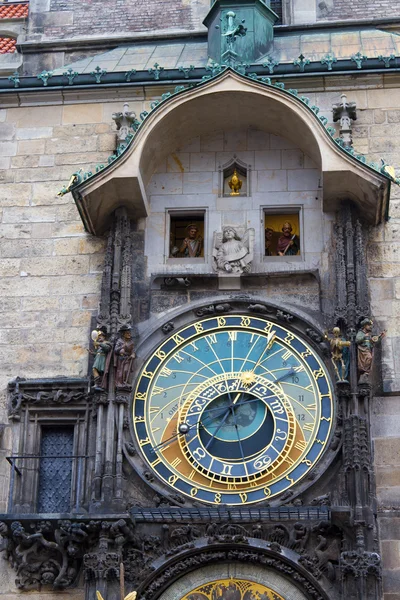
{"x":57,"y":19}
{"x":51,"y":269}
{"x":341,"y":10}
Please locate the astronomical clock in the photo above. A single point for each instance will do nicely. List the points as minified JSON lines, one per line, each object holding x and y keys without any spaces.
{"x":232,"y":410}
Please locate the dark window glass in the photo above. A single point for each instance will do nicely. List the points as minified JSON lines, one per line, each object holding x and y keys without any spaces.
{"x":276,"y":6}
{"x":55,"y":472}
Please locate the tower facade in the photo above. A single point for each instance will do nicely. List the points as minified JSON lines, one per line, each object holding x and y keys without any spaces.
{"x":199,"y":292}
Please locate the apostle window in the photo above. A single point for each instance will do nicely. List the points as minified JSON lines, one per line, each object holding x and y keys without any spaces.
{"x":186,"y":235}
{"x":282,"y":233}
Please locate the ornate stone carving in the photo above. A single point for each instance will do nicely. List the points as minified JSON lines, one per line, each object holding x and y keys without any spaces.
{"x":233,"y":252}
{"x":48,"y":555}
{"x":43,"y":392}
{"x":124,"y":121}
{"x":167,"y":327}
{"x":212,"y":309}
{"x":345,"y":113}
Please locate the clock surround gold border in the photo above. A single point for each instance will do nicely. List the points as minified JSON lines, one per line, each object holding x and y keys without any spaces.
{"x":294,"y":330}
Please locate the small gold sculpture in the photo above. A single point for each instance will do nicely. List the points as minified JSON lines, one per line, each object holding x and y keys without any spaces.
{"x":235,"y":184}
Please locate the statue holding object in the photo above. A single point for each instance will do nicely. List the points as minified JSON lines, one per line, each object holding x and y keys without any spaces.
{"x":340,"y":355}
{"x":366,"y":342}
{"x":101,"y":365}
{"x":191,"y":246}
{"x":124,"y":356}
{"x":288,"y":244}
{"x":233,"y":253}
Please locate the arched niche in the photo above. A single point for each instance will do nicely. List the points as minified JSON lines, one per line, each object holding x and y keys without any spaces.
{"x":228,"y":99}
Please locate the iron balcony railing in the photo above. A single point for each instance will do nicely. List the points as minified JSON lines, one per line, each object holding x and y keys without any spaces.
{"x":59,"y":488}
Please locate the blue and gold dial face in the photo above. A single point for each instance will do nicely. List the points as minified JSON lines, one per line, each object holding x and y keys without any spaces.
{"x":233,"y":410}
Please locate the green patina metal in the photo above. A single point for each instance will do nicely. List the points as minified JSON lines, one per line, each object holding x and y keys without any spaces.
{"x":386,"y":60}
{"x":129,"y":74}
{"x":70,"y":74}
{"x":15,"y":79}
{"x":79,"y":176}
{"x":358,"y":58}
{"x":98,"y":74}
{"x":45,"y":76}
{"x":156,"y":72}
{"x":186,"y":70}
{"x":239,"y":31}
{"x":270,"y":64}
{"x":328,"y":60}
{"x":301,"y":62}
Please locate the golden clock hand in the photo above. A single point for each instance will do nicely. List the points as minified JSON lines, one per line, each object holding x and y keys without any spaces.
{"x":189,"y":427}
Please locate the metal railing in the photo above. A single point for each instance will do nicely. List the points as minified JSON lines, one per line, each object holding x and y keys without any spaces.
{"x":77,"y":475}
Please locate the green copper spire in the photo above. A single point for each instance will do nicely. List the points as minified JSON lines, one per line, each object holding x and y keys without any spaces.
{"x":239,"y":31}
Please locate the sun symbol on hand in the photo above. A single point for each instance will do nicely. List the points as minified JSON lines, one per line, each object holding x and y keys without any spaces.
{"x":247,"y":378}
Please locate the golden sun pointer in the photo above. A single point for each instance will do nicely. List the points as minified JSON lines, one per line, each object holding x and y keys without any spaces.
{"x":248,"y":377}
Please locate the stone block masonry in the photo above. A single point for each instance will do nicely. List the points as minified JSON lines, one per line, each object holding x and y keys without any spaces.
{"x":340,"y":10}
{"x":72,"y":19}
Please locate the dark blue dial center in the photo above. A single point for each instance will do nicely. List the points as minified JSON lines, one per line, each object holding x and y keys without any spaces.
{"x":236,"y":430}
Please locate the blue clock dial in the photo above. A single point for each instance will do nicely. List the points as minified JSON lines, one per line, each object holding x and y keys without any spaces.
{"x":233,"y":409}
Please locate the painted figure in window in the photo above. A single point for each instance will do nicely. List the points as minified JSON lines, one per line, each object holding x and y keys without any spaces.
{"x":123,"y":359}
{"x":101,"y":363}
{"x":268,"y":241}
{"x":192,"y":244}
{"x":288,"y":244}
{"x":366,"y":342}
{"x":232,"y":253}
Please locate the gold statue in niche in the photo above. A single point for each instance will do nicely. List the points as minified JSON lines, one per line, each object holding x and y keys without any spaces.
{"x":235,"y":184}
{"x":232,"y":589}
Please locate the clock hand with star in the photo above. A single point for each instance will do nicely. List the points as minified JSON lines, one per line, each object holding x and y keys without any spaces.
{"x":220,"y":410}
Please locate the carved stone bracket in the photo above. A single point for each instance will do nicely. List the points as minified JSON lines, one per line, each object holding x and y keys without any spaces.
{"x":45,"y":392}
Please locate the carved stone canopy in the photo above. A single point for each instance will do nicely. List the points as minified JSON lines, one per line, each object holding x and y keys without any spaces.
{"x":229,"y":98}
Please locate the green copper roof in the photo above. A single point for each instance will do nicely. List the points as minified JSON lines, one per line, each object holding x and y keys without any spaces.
{"x":79,"y":176}
{"x":313,"y":45}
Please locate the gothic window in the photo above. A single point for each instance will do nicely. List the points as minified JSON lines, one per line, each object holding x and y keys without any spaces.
{"x":282,"y":234}
{"x":55,"y":470}
{"x":186,"y":234}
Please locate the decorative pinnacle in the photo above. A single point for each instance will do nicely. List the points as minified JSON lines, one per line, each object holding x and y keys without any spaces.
{"x":98,"y":74}
{"x":70,"y":75}
{"x":186,"y":70}
{"x":14,"y":78}
{"x":45,"y":76}
{"x":270,"y":64}
{"x":358,"y":58}
{"x":156,"y":72}
{"x":329,"y":60}
{"x":386,"y":60}
{"x":301,"y":62}
{"x":129,"y":74}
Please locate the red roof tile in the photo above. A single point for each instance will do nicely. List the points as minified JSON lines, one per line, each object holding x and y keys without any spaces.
{"x":13,"y":11}
{"x":7,"y":45}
